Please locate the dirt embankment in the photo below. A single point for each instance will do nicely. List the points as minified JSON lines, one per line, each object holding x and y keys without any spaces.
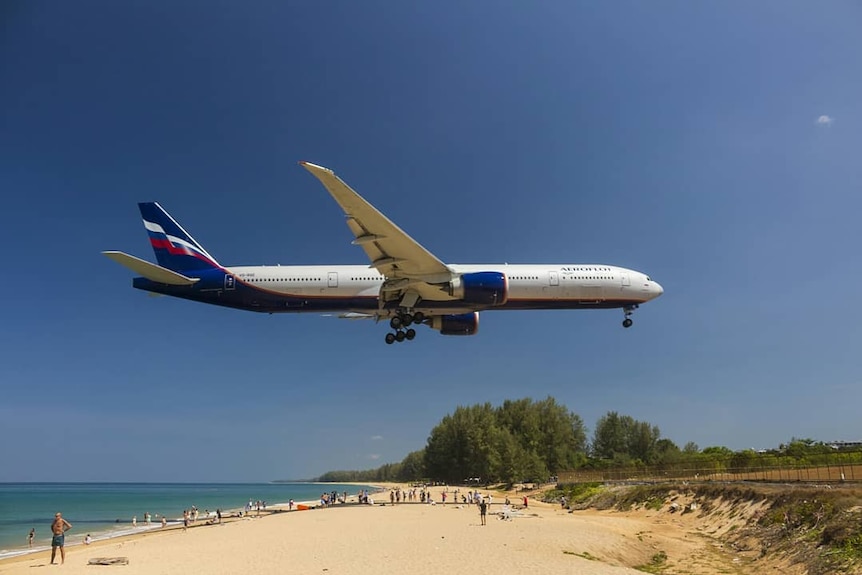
{"x":745,"y":528}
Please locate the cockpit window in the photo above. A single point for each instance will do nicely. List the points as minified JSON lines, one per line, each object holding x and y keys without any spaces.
{"x":648,"y":279}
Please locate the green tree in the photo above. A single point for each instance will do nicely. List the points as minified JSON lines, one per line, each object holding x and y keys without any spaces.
{"x":547,"y":431}
{"x":463,"y":445}
{"x":804,"y":448}
{"x":623,"y":438}
{"x":714,"y":458}
{"x":562,"y":438}
{"x":515,"y":463}
{"x":691,"y":448}
{"x":666,"y":451}
{"x":413,"y":466}
{"x":610,"y":436}
{"x":743,"y":460}
{"x":717,"y":452}
{"x":642,"y":439}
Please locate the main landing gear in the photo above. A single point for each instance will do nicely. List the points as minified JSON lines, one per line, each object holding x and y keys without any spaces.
{"x":401,"y":324}
{"x":627,"y":311}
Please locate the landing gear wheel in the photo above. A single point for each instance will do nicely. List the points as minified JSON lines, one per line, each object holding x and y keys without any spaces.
{"x":406,"y":319}
{"x":390,"y":338}
{"x":418,"y":317}
{"x":395,"y":322}
{"x":399,"y":336}
{"x":410,"y":334}
{"x":627,"y":311}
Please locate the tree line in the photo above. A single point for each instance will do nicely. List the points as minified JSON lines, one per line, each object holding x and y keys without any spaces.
{"x":529,"y":441}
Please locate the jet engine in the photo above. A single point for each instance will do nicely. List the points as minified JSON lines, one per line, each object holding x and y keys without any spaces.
{"x":461,"y":324}
{"x":482,"y":288}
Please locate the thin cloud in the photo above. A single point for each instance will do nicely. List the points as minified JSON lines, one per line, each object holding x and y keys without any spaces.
{"x":825,"y":120}
{"x":374,"y":456}
{"x":376,"y":437}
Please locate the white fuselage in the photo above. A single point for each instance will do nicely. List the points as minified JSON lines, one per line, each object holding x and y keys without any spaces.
{"x":530,"y":286}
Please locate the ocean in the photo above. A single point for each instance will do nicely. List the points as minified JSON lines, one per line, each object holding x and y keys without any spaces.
{"x":105,"y":510}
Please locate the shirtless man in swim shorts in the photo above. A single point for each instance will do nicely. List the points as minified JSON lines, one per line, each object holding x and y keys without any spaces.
{"x":59,"y":528}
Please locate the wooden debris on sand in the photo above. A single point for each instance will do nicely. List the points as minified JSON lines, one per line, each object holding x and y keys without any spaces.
{"x":108,"y":561}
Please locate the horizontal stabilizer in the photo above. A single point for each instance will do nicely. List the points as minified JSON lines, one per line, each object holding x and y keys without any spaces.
{"x":150,"y":271}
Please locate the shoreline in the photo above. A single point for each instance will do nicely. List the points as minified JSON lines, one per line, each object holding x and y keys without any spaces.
{"x":140,"y":533}
{"x":112,"y":532}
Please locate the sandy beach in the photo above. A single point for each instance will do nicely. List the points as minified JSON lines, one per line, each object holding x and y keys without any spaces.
{"x":406,"y":538}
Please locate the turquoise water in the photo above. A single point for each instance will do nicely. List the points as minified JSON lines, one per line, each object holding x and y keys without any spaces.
{"x":106,"y":509}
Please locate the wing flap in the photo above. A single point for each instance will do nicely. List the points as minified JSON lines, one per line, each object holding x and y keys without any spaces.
{"x":149,"y":270}
{"x":357,"y":315}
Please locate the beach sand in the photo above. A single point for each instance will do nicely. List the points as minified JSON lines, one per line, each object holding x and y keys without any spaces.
{"x":414,"y":538}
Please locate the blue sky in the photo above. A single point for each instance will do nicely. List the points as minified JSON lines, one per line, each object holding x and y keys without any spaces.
{"x":681,"y":139}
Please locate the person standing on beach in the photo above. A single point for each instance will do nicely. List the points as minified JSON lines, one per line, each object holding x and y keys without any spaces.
{"x":59,"y":528}
{"x":31,"y":536}
{"x":483,"y":511}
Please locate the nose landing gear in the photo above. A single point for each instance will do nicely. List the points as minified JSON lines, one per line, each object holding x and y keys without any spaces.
{"x":627,"y":311}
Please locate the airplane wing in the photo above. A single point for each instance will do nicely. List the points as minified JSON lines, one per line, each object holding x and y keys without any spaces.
{"x":391,"y":251}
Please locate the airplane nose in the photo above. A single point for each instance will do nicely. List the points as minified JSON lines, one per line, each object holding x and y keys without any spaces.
{"x":657,"y":289}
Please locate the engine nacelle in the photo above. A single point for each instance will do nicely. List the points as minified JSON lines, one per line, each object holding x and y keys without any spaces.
{"x":461,"y":324}
{"x":482,"y":288}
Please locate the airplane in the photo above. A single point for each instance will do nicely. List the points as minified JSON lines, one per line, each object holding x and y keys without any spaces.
{"x":404,"y":283}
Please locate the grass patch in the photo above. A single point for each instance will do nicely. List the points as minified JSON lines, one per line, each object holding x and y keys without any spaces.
{"x":657,"y":564}
{"x":585,"y":555}
{"x":578,"y":495}
{"x":650,"y":496}
{"x":575,"y":493}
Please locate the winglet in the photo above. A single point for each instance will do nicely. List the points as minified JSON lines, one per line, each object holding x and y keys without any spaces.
{"x":315,"y":168}
{"x":150,"y":271}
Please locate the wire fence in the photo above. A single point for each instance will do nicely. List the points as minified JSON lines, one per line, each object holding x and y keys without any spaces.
{"x":827,"y":469}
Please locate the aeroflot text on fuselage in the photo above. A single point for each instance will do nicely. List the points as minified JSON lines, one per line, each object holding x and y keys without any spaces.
{"x":405,"y":284}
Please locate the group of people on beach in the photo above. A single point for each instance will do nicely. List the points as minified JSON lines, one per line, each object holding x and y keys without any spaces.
{"x":471,"y":497}
{"x":331,"y":498}
{"x":256,"y":505}
{"x":420,"y":494}
{"x":148,"y":519}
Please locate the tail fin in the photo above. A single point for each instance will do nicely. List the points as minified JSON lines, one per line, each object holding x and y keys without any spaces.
{"x":175,"y":248}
